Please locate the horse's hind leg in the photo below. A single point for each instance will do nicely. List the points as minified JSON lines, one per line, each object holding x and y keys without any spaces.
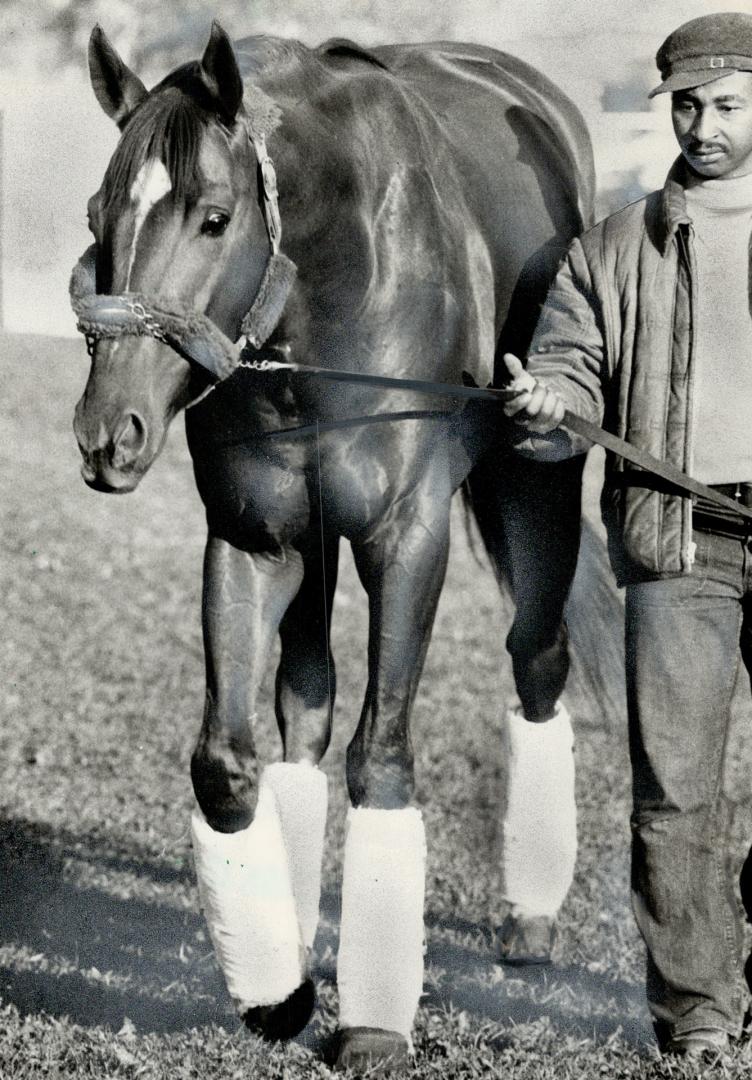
{"x":238,"y":832}
{"x":306,"y":681}
{"x":529,"y":515}
{"x":380,"y":961}
{"x":305,"y":690}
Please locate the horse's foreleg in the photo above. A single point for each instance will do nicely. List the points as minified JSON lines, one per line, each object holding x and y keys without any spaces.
{"x":245,"y":598}
{"x":529,"y":514}
{"x":380,"y":962}
{"x":238,"y":833}
{"x":305,"y":692}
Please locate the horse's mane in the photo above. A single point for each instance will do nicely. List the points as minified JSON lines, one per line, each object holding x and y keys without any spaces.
{"x":169,"y":126}
{"x":262,"y":53}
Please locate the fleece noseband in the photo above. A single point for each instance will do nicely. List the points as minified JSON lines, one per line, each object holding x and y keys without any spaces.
{"x":190,"y":333}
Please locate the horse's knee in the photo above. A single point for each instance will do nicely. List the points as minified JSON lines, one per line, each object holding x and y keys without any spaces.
{"x":381,"y":777}
{"x":225,"y":781}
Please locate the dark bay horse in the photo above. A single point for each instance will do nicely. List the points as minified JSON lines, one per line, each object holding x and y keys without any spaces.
{"x":419,"y":188}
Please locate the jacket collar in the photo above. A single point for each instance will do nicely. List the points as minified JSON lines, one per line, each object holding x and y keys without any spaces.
{"x":673,"y":204}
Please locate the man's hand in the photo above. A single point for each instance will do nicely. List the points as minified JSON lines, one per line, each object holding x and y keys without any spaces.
{"x":534,"y":406}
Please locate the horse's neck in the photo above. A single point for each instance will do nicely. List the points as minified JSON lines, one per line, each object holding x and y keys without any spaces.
{"x":315,"y":177}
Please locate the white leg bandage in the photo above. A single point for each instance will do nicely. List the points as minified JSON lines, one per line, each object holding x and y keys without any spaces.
{"x":246,"y":893}
{"x":380,"y":961}
{"x":301,"y":795}
{"x":539,"y":827}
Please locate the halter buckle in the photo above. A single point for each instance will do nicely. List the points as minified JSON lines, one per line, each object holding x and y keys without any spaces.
{"x":269,"y":192}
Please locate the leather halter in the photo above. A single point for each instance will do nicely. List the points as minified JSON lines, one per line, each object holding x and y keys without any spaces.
{"x":190,"y":333}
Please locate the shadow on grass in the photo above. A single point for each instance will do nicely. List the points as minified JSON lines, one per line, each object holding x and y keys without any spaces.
{"x":150,"y":962}
{"x":470,"y":978}
{"x":98,"y":958}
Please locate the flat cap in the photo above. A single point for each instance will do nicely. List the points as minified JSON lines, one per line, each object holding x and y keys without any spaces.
{"x":703,"y":50}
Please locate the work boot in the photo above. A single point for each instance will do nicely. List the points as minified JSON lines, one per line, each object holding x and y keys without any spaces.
{"x":700,"y":1044}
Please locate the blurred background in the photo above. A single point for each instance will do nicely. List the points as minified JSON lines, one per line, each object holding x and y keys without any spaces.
{"x":56,"y":142}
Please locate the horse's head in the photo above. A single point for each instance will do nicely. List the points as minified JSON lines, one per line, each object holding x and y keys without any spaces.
{"x":177,"y":220}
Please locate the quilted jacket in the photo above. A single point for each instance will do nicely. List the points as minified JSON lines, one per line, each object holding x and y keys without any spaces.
{"x":615,"y":340}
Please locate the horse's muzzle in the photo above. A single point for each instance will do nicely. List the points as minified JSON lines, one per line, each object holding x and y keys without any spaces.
{"x":110,"y":485}
{"x":113,"y":461}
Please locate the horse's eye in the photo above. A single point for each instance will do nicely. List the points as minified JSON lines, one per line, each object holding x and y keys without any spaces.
{"x":215,"y":224}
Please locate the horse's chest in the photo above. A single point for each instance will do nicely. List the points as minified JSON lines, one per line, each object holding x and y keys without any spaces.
{"x":381,"y":466}
{"x":264,"y":495}
{"x":256,"y":498}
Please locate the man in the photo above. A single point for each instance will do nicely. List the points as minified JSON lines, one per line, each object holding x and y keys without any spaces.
{"x":647,"y":330}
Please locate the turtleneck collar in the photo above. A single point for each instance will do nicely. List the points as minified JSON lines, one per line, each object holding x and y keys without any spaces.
{"x":732,"y":194}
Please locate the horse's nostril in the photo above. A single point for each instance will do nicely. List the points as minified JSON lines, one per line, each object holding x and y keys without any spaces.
{"x":134,"y":432}
{"x":129,"y":440}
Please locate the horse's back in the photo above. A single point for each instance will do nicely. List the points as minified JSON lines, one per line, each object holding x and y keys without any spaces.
{"x":503,"y":144}
{"x":499,"y":110}
{"x":497,"y":113}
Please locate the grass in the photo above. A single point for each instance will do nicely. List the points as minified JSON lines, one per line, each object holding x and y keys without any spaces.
{"x":105,"y":966}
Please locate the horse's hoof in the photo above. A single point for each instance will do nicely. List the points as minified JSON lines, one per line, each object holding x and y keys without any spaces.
{"x":371,"y":1050}
{"x":526,"y":940}
{"x":288,"y":1018}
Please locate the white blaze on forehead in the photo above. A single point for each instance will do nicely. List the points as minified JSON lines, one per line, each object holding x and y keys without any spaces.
{"x":151,"y":185}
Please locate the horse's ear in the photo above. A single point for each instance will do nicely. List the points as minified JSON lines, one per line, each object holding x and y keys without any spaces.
{"x":220,"y":73}
{"x":117,"y":89}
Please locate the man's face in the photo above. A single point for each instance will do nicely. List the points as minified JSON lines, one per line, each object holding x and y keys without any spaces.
{"x":713,"y":124}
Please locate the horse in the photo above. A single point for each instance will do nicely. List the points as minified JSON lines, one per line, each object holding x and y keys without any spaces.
{"x":273,"y":212}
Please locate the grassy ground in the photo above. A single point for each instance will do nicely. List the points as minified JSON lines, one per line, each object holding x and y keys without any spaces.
{"x":105,"y":966}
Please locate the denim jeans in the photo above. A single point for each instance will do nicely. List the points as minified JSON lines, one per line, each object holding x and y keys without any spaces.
{"x":684,"y":639}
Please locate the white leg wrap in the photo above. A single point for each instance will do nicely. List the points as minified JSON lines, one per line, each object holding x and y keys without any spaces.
{"x":380,"y":961}
{"x":246,"y":894}
{"x":301,"y":794}
{"x":539,"y":828}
